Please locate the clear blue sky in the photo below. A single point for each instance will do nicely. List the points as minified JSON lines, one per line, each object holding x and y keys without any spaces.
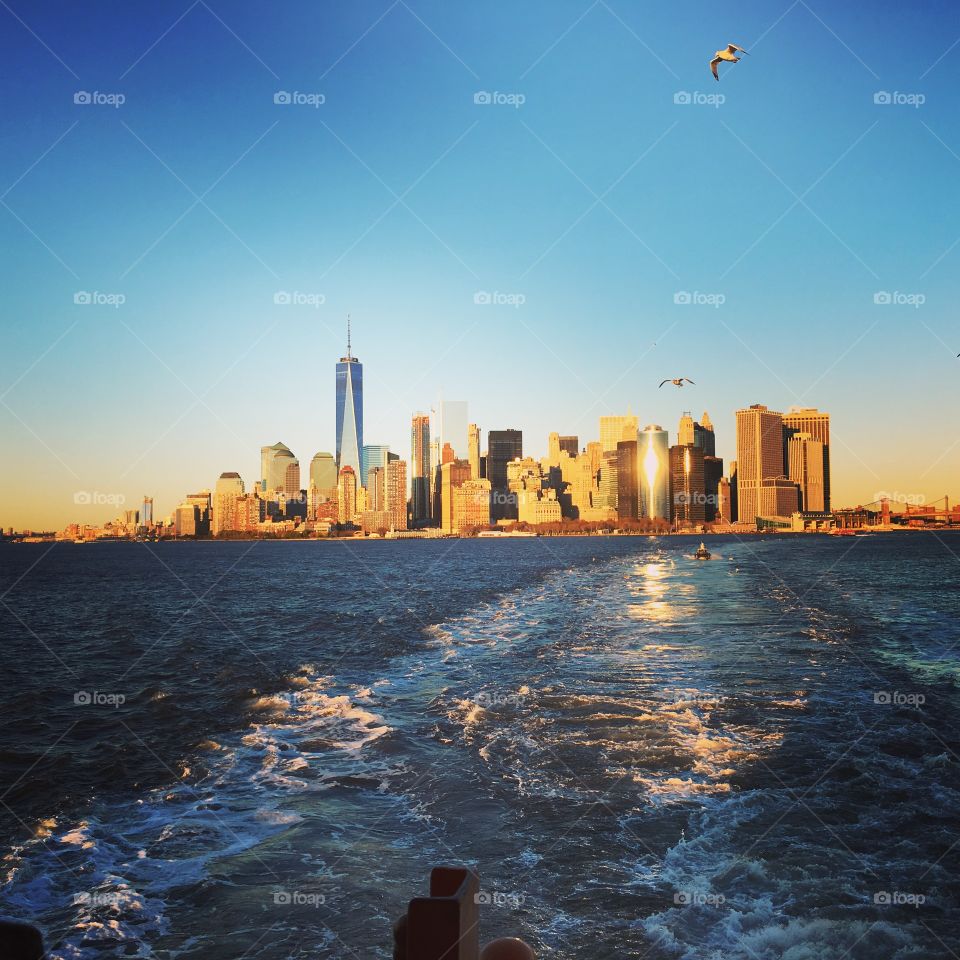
{"x":398,"y":199}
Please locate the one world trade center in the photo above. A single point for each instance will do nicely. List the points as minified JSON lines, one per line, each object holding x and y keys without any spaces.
{"x":350,"y":412}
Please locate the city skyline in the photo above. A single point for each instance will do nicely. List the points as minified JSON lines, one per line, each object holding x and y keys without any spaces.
{"x":628,"y":474}
{"x":185,"y":300}
{"x":280,"y":467}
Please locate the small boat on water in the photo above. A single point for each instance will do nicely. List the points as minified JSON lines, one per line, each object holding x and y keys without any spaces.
{"x":703,"y":553}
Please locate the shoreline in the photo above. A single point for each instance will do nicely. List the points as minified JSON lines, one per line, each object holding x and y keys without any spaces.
{"x":736,"y":534}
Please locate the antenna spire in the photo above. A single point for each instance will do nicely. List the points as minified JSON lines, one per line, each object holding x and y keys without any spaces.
{"x":349,"y":354}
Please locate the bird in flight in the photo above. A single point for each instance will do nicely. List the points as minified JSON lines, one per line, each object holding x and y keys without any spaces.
{"x":678,"y":381}
{"x":729,"y":54}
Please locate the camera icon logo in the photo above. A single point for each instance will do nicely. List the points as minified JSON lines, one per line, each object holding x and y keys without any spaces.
{"x":281,"y":298}
{"x":82,"y":498}
{"x":82,"y":96}
{"x":482,"y":298}
{"x":82,"y":297}
{"x":882,"y":297}
{"x":282,"y":897}
{"x":282,"y":97}
{"x":882,"y":97}
{"x":682,"y":297}
{"x":482,"y":97}
{"x":82,"y":698}
{"x":682,"y":96}
{"x":883,"y":898}
{"x":482,"y":898}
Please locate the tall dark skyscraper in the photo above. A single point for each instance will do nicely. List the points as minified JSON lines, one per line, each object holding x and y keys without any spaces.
{"x":628,"y":480}
{"x":420,"y":469}
{"x":502,"y":447}
{"x":712,"y":475}
{"x":349,"y":410}
{"x":570,"y":444}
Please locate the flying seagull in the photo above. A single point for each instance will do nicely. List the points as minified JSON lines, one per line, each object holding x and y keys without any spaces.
{"x":679,"y":381}
{"x":729,"y":54}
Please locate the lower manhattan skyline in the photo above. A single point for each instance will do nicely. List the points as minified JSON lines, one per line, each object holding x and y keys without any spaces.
{"x":93,"y":506}
{"x":184,"y":314}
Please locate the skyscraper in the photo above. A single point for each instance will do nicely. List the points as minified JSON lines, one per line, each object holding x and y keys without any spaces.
{"x":613,"y":429}
{"x":762,"y":487}
{"x":704,"y":437}
{"x":628,"y":491}
{"x":273,"y":466}
{"x":712,"y":475}
{"x":654,"y":469}
{"x":349,"y":410}
{"x":811,"y":421}
{"x":372,"y":455}
{"x":608,"y":489}
{"x":347,"y":495}
{"x":453,"y":474}
{"x":377,"y":489}
{"x":553,"y":450}
{"x":451,"y":426}
{"x":724,"y":512}
{"x":570,"y":444}
{"x":147,"y":512}
{"x":323,"y":471}
{"x":225,"y":494}
{"x":420,"y":468}
{"x":502,"y":447}
{"x":471,"y":505}
{"x":693,"y":434}
{"x":805,"y":462}
{"x":291,"y":480}
{"x":687,"y":488}
{"x":473,"y":450}
{"x":396,"y":493}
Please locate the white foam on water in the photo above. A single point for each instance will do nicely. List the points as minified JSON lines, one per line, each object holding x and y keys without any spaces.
{"x":167,"y":838}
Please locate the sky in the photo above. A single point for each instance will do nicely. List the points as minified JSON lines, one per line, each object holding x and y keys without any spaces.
{"x":605,"y":217}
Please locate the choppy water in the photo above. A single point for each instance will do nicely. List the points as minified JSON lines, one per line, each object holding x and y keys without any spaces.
{"x":754,"y":757}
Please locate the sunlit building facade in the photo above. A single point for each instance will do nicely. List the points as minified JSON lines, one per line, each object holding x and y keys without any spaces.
{"x":274,"y":462}
{"x":608,"y":486}
{"x":473,"y":450}
{"x":613,"y":429}
{"x":687,"y":488}
{"x":229,"y":488}
{"x":453,"y":474}
{"x":471,"y":505}
{"x":323,"y":471}
{"x":763,"y":489}
{"x":654,"y":473}
{"x":347,"y":495}
{"x":420,"y":469}
{"x":811,"y":421}
{"x":805,"y":466}
{"x":395,"y":494}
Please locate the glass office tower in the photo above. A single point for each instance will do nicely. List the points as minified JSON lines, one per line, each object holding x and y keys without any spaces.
{"x":349,"y":410}
{"x":653,"y":455}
